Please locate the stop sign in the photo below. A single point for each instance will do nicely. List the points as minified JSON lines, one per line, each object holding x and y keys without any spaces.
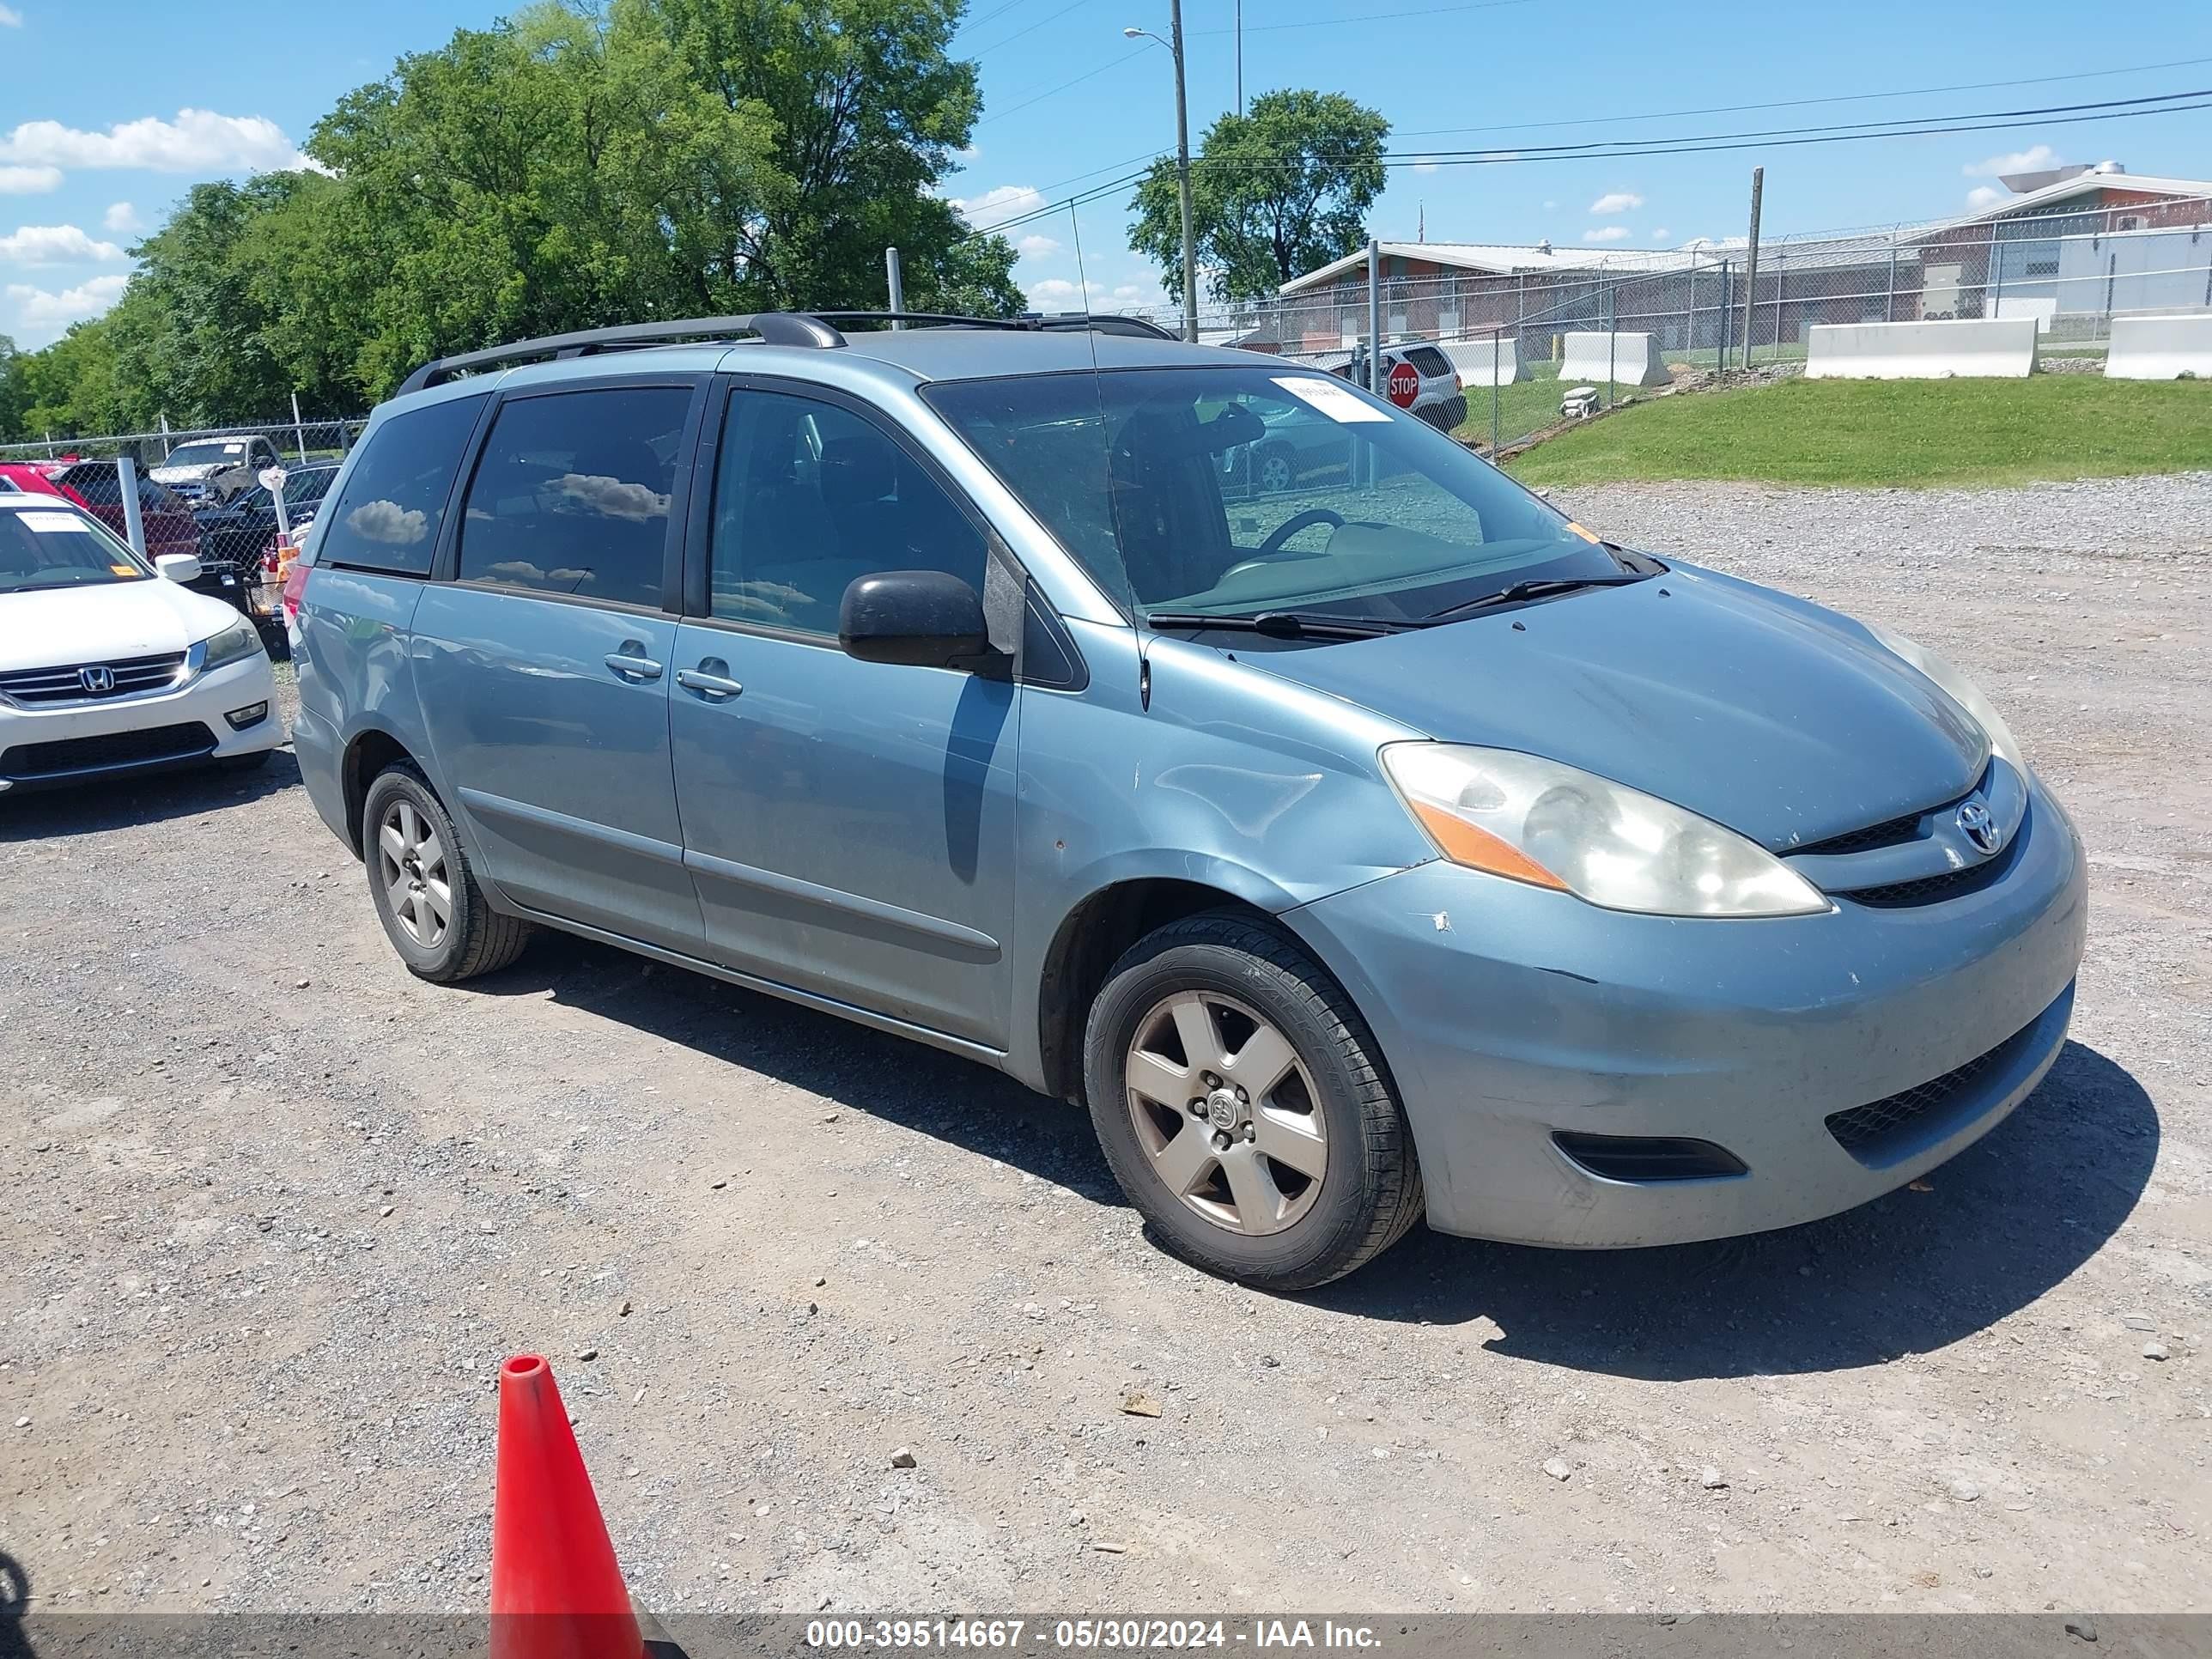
{"x":1404,"y":385}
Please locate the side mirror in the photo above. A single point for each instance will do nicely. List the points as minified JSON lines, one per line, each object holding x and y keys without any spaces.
{"x":923,"y":618}
{"x":178,"y":567}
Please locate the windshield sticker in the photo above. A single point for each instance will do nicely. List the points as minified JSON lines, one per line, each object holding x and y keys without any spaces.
{"x":126,"y":570}
{"x":65,"y":523}
{"x":1593,"y":540}
{"x":1332,"y":398}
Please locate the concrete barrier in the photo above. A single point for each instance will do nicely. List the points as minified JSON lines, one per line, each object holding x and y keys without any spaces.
{"x":2002,"y":348}
{"x":1485,"y":361}
{"x":1622,"y":359}
{"x":2042,"y":310}
{"x":2160,"y":347}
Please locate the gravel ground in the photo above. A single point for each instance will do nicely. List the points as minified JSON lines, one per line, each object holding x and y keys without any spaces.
{"x":277,"y":1210}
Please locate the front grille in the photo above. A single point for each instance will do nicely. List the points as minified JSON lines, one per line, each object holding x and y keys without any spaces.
{"x":1429,"y":359}
{"x":1877,"y":1133}
{"x":1889,"y":832}
{"x":1948,"y":884}
{"x":32,"y":686}
{"x":154,"y":743}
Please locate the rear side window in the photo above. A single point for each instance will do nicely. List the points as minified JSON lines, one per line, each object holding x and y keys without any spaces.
{"x":572,"y":495}
{"x":388,"y":518}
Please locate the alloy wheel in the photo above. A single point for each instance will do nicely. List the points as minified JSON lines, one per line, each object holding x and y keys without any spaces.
{"x":1226,"y":1112}
{"x":411,"y":864}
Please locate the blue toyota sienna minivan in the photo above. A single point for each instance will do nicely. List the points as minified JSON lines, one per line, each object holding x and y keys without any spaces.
{"x":1195,"y":737}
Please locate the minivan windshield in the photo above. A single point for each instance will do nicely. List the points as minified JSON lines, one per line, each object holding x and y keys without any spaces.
{"x":1236,"y":491}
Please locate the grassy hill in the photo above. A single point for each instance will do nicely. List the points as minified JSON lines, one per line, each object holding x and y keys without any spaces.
{"x":1916,"y":433}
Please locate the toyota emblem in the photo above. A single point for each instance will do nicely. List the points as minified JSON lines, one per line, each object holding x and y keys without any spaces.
{"x":1980,"y":827}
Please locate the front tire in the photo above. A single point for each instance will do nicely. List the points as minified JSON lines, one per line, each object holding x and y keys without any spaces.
{"x":425,"y":892}
{"x":1242,"y":1105}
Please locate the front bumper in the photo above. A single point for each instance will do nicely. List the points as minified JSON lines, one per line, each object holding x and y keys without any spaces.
{"x":1509,"y":1013}
{"x":53,"y":747}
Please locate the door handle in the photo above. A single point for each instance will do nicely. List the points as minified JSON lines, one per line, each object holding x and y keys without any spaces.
{"x":710,"y":680}
{"x":632,"y":664}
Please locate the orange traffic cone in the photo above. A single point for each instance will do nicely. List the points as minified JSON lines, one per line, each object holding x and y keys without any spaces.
{"x":555,"y":1590}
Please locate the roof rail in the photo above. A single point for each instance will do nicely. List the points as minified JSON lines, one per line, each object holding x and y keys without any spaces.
{"x":1110,"y":323}
{"x":775,"y":327}
{"x":1029,"y":322}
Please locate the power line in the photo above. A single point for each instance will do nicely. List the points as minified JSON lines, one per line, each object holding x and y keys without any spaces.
{"x":1111,"y":63}
{"x":1797,"y":103}
{"x":1029,"y":29}
{"x":1369,"y":17}
{"x":1706,"y":143}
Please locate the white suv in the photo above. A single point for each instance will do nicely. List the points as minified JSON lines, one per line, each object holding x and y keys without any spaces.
{"x":108,"y":666}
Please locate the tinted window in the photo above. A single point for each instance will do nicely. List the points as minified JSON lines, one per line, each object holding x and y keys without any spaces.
{"x":807,"y":498}
{"x":1240,"y":489}
{"x":572,"y":495}
{"x":388,"y":518}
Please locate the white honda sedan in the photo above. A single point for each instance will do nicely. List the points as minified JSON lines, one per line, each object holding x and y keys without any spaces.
{"x":108,"y":666}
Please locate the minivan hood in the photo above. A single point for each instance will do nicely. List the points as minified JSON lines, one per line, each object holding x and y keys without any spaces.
{"x":1768,"y":714}
{"x":56,"y":627}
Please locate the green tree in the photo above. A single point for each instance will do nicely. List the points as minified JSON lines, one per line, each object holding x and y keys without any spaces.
{"x":568,"y":168}
{"x":1275,"y":193}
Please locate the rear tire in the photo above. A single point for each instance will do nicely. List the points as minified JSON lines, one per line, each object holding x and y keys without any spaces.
{"x":424,"y":888}
{"x":1306,"y":1180}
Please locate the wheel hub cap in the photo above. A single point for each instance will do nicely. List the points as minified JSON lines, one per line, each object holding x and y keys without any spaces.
{"x":1223,"y":1109}
{"x":1226,"y":1112}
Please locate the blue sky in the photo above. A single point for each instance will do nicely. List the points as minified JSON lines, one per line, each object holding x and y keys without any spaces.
{"x":107,"y":114}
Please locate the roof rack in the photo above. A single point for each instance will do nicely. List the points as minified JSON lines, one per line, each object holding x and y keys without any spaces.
{"x":776,"y":327}
{"x":791,"y":328}
{"x":1027,"y":321}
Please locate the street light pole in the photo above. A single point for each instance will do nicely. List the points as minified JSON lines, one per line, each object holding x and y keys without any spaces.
{"x":1174,"y":45}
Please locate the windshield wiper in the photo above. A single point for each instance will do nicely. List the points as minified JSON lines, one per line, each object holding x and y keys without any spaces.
{"x":1283,"y":624}
{"x":1538,"y":588}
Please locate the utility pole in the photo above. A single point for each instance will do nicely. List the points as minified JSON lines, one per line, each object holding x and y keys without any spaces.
{"x":1174,"y":44}
{"x":1240,"y":58}
{"x":1182,"y":180}
{"x":1751,"y":264}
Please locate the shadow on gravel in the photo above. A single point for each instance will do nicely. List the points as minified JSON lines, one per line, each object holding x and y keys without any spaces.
{"x":14,"y":1597}
{"x":2008,"y":1219}
{"x":902,"y":1082}
{"x":91,"y":808}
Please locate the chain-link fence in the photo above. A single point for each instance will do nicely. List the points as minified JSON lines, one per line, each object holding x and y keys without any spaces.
{"x":201,"y":494}
{"x":1621,"y":323}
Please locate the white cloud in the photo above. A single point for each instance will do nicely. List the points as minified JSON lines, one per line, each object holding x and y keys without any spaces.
{"x":1982,"y":196}
{"x":1606,"y":234}
{"x":197,"y":141}
{"x":2031,"y":160}
{"x":1660,"y":234}
{"x":42,"y":308}
{"x":1058,"y":294}
{"x":994,"y":206}
{"x":10,"y":18}
{"x":1037,"y":247}
{"x":389,"y":523}
{"x":28,"y":181}
{"x":1551,"y":207}
{"x":1424,"y":166}
{"x":53,"y":245}
{"x":122,"y":216}
{"x":1714,"y":243}
{"x":1616,"y":201}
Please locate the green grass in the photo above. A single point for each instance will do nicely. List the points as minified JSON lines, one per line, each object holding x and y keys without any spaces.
{"x":1913,"y":433}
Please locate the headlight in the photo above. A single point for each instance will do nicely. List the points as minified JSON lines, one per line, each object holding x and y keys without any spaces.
{"x":1536,"y":821}
{"x":1961,"y":691}
{"x":237,"y":640}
